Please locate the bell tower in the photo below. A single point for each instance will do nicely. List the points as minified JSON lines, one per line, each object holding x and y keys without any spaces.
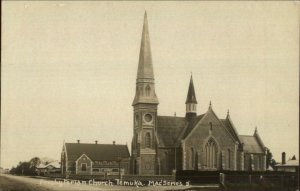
{"x":144,"y":111}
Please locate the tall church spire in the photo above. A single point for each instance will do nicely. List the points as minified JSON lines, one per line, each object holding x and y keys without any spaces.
{"x":191,"y":101}
{"x":145,"y":90}
{"x":145,"y":69}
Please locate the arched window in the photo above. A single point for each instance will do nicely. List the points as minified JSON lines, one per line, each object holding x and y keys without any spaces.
{"x":211,"y":151}
{"x":148,"y":140}
{"x":147,"y":90}
{"x":136,"y":139}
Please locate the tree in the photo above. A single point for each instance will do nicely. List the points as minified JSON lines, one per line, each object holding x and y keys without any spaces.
{"x":269,"y":159}
{"x":34,"y":162}
{"x":26,"y":168}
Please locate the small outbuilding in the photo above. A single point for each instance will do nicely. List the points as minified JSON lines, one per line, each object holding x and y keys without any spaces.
{"x":95,"y":159}
{"x":292,"y":165}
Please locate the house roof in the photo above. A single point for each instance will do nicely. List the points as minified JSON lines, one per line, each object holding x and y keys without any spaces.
{"x":168,"y":130}
{"x":96,"y":152}
{"x":55,"y":164}
{"x":251,"y":144}
{"x":289,"y":163}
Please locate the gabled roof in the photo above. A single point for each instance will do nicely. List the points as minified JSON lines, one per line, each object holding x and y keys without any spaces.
{"x":191,"y":126}
{"x":96,"y":152}
{"x":191,"y":96}
{"x":230,"y":127}
{"x":55,"y":164}
{"x":169,"y":129}
{"x":251,"y":145}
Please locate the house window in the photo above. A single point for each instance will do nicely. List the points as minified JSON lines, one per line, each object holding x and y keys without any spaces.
{"x":96,"y":169}
{"x":211,"y":154}
{"x":115,"y":170}
{"x":147,"y":140}
{"x":83,"y":167}
{"x":147,"y":90}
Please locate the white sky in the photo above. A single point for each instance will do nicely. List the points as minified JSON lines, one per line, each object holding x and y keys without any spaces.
{"x":69,"y":69}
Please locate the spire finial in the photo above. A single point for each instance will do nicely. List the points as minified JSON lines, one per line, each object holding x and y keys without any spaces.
{"x":255,"y":130}
{"x":210,"y":103}
{"x":228,"y":113}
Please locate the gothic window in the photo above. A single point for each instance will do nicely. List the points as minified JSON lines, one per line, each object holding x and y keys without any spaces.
{"x":147,"y":90}
{"x":229,"y":159}
{"x":147,"y":140}
{"x":136,"y":139}
{"x":141,"y":91}
{"x":193,"y":157}
{"x":211,"y":151}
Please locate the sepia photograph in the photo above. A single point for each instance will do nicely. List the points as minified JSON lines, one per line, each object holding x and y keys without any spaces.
{"x":149,"y":95}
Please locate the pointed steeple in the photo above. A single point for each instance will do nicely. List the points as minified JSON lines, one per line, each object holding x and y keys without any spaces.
{"x":191,"y":102}
{"x":145,"y":68}
{"x":145,"y":89}
{"x":191,"y":96}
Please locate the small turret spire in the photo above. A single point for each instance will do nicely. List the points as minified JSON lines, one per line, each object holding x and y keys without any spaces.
{"x":191,"y":96}
{"x":191,"y":101}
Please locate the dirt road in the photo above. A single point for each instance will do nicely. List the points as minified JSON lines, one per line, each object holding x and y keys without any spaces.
{"x":21,"y":183}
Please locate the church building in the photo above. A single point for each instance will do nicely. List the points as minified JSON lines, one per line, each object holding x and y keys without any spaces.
{"x":202,"y":142}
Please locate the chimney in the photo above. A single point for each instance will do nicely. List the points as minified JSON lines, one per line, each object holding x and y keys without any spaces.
{"x":78,"y":141}
{"x":114,"y":142}
{"x":283,"y":158}
{"x":96,"y":142}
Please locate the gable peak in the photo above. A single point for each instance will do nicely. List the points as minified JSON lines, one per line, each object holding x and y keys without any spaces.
{"x":228,"y":115}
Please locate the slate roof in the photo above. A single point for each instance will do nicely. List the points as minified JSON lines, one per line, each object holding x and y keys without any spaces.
{"x":191,"y":125}
{"x":96,"y":152}
{"x":229,"y":126}
{"x":251,"y":144}
{"x":169,"y":129}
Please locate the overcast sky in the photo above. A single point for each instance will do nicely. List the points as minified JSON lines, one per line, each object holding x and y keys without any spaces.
{"x":69,"y":69}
